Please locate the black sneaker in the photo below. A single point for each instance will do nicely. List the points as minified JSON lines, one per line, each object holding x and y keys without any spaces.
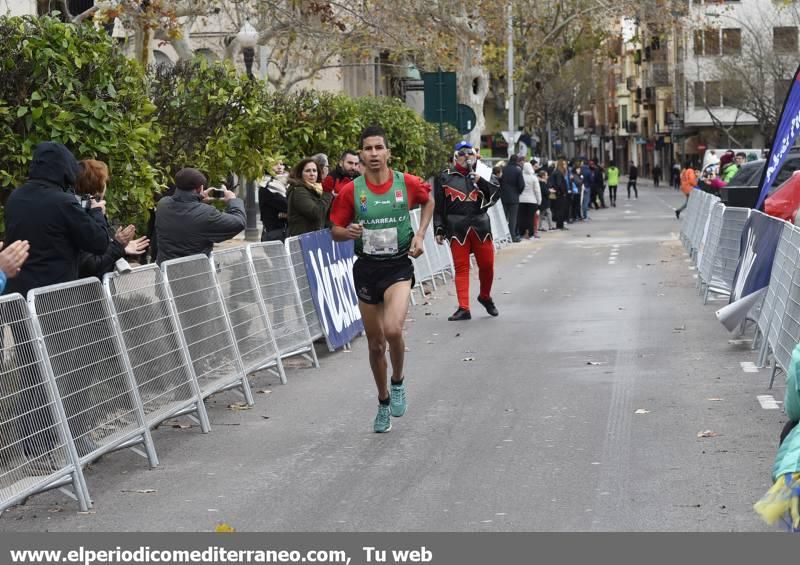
{"x":678,"y":214}
{"x":459,"y":315}
{"x":488,"y":303}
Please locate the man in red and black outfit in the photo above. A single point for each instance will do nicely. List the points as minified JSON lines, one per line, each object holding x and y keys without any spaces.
{"x":462,"y":201}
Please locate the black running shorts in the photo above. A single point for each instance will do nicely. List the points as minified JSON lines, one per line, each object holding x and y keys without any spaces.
{"x":373,"y":277}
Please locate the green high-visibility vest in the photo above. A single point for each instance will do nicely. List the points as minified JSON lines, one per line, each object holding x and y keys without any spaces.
{"x":385,"y":219}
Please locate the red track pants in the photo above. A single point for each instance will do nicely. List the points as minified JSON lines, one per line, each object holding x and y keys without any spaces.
{"x":484,"y":256}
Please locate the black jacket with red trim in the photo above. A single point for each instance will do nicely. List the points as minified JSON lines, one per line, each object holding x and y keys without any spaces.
{"x":461,"y":204}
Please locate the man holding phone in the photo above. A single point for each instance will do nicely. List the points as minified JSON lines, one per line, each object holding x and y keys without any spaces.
{"x":187,"y":225}
{"x":373,"y":210}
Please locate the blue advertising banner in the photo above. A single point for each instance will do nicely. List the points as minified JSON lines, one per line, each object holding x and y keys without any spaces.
{"x":783,"y":141}
{"x":760,"y":238}
{"x":329,"y":267}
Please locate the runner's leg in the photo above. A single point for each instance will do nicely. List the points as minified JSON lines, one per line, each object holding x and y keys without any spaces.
{"x":395,"y":309}
{"x":372,"y":316}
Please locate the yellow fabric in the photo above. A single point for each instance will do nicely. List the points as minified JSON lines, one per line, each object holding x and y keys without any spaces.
{"x":781,"y":502}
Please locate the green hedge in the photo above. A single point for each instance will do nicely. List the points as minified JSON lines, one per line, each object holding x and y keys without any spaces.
{"x":70,"y":84}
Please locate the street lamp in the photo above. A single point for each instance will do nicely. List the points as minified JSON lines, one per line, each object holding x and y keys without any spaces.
{"x":248,"y":39}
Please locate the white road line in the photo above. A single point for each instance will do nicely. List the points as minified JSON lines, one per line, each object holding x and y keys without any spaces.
{"x":749,"y":367}
{"x":767,"y":402}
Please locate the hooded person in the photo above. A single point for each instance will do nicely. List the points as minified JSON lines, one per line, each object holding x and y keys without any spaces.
{"x":462,"y":201}
{"x":46,"y":212}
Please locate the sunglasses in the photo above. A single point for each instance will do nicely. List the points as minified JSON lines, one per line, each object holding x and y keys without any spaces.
{"x":466,"y":152}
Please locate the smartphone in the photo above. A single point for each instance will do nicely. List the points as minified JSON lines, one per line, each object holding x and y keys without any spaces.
{"x":216,"y":193}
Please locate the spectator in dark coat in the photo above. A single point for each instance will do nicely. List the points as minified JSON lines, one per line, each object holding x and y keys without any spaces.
{"x":512,"y":184}
{"x":633,"y":176}
{"x":309,"y":205}
{"x":273,"y":206}
{"x":91,"y":183}
{"x":46,"y":212}
{"x":187,"y":225}
{"x":559,"y":186}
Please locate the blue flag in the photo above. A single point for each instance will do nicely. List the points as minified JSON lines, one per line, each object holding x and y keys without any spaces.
{"x":783,"y":140}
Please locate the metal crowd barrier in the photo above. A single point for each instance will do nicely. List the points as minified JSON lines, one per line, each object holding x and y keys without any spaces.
{"x":36,"y":449}
{"x":500,"y":232}
{"x":207,"y":331}
{"x":424,"y":266}
{"x":701,"y":225}
{"x":777,"y":297}
{"x":86,"y":358}
{"x":279,"y":291}
{"x":708,"y":248}
{"x":247,"y":312}
{"x":295,"y":253}
{"x":689,"y":216}
{"x":726,"y":253}
{"x":158,"y":355}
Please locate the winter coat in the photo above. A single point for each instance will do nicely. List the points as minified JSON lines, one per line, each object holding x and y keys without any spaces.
{"x":46,"y":212}
{"x":272,"y":203}
{"x":97,"y":265}
{"x":511,"y":184}
{"x":528,"y":195}
{"x":308,"y":210}
{"x":560,"y":205}
{"x":187,"y":226}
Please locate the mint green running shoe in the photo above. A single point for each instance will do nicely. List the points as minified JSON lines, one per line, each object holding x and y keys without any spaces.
{"x":383,"y":422}
{"x":398,"y":403}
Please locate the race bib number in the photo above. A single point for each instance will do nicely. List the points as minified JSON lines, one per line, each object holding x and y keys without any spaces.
{"x":380,"y":242}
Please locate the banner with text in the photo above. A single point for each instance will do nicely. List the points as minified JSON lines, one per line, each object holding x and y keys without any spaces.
{"x":329,"y":267}
{"x":783,"y":141}
{"x":760,"y":238}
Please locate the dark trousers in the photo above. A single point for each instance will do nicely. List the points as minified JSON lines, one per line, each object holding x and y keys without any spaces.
{"x":632,"y":183}
{"x":599,"y":197}
{"x":525,"y":218}
{"x":612,"y":194}
{"x":575,"y":207}
{"x":512,"y":211}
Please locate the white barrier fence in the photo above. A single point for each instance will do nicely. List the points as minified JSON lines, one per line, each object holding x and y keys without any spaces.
{"x":712,"y":234}
{"x":90,"y":367}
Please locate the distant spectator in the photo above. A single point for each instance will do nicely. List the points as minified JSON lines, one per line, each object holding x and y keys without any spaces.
{"x":322,"y":164}
{"x":308,"y":204}
{"x":91,"y":183}
{"x":272,"y":204}
{"x":633,"y":176}
{"x":187,"y":225}
{"x":511,"y":186}
{"x":345,"y":172}
{"x":656,"y":175}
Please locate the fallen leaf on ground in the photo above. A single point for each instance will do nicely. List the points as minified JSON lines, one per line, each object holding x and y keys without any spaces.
{"x":239,"y":406}
{"x":680,"y":328}
{"x":263,"y":392}
{"x":707,"y":433}
{"x":642,"y":411}
{"x":620,"y":308}
{"x":429,"y":313}
{"x":142,"y":491}
{"x":468,"y":359}
{"x":595,"y":362}
{"x":223,"y":528}
{"x":458,"y":335}
{"x":55,"y":509}
{"x":429,"y":342}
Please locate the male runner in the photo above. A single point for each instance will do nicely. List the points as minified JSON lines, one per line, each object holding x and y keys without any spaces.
{"x":373,"y":210}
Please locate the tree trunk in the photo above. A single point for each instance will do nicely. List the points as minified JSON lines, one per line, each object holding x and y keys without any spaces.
{"x":472,"y":88}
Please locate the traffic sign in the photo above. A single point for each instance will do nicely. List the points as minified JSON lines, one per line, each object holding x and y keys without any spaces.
{"x":466,"y":119}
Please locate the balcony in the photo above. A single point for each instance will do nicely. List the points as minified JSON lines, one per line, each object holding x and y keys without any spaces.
{"x":630,"y":126}
{"x":659,"y":74}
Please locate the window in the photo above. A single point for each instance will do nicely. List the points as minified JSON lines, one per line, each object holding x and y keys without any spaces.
{"x":780,"y":90}
{"x":699,"y":95}
{"x":731,"y":41}
{"x":784,"y":39}
{"x":623,"y":114}
{"x":711,"y":41}
{"x":698,"y":41}
{"x":713,"y":94}
{"x":732,"y":94}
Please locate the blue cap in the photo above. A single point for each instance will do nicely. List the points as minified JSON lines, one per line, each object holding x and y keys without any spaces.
{"x":463,"y":145}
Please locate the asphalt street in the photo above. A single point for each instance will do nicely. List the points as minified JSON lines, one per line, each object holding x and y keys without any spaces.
{"x":577,"y":409}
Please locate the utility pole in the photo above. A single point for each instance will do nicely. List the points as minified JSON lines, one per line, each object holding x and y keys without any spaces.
{"x":510,"y":72}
